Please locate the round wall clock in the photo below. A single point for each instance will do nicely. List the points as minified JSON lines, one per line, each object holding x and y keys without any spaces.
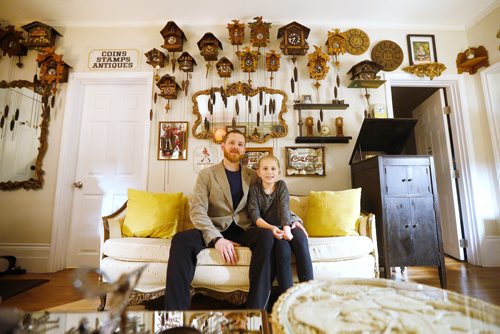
{"x":388,"y":54}
{"x":357,"y":41}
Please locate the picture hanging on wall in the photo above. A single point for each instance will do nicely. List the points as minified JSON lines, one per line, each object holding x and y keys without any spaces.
{"x":305,"y":161}
{"x":172,"y":140}
{"x":421,"y":49}
{"x":253,"y":154}
{"x":205,"y":156}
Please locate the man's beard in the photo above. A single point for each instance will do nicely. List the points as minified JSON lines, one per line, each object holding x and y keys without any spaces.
{"x":232,"y":156}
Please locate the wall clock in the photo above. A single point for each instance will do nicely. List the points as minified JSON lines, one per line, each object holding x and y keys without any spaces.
{"x":168,"y":89}
{"x":317,"y":65}
{"x":10,"y":43}
{"x":173,"y":38}
{"x":357,"y":41}
{"x":236,"y":32}
{"x":53,"y":70}
{"x":336,"y":43}
{"x":249,"y":61}
{"x":259,"y":32}
{"x":39,"y":35}
{"x":294,"y":37}
{"x":209,"y":46}
{"x":272,"y":63}
{"x":224,"y":67}
{"x":186,"y":65}
{"x":388,"y":54}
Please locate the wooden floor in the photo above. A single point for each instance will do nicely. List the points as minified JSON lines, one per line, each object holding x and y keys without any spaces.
{"x":59,"y":295}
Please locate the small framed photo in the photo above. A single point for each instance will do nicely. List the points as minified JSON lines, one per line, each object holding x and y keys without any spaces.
{"x":421,"y":49}
{"x":240,"y":128}
{"x":253,"y":154}
{"x":172,"y":140}
{"x":305,"y":161}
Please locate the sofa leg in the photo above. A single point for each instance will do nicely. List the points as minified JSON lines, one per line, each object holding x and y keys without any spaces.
{"x":101,"y":306}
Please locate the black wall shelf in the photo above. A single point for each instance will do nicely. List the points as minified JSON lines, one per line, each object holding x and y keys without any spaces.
{"x":323,"y":140}
{"x":318,"y":106}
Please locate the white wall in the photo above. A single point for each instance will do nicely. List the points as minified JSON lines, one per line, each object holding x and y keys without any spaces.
{"x":32,"y":211}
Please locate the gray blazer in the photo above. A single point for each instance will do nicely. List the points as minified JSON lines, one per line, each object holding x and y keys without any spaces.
{"x":212,"y":205}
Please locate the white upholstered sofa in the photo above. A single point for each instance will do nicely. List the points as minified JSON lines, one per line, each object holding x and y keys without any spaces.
{"x":332,"y":257}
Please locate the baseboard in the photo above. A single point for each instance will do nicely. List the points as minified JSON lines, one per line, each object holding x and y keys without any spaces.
{"x":32,"y":257}
{"x":491,"y":249}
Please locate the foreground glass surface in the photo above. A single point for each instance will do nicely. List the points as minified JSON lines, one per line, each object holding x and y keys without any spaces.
{"x":231,"y":321}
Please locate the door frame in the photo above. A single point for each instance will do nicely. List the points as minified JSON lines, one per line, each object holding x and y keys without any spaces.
{"x":454,"y":86}
{"x":69,"y":151}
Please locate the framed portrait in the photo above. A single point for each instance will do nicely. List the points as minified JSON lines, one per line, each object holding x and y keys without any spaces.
{"x":172,"y":140}
{"x":240,"y":128}
{"x":421,"y":49}
{"x":253,"y":154}
{"x":305,"y":161}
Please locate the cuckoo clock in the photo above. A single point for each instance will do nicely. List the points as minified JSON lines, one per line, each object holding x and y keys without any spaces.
{"x":173,"y":38}
{"x":259,"y":32}
{"x":168,"y":89}
{"x":53,"y":70}
{"x":39,"y":35}
{"x":317,"y":65}
{"x":224,"y":67}
{"x":157,"y":59}
{"x":236,"y":32}
{"x":336,"y":43}
{"x":11,"y":44}
{"x":248,"y":61}
{"x":365,"y":70}
{"x":186,"y":64}
{"x":272,"y":63}
{"x":294,"y":39}
{"x":209,"y":46}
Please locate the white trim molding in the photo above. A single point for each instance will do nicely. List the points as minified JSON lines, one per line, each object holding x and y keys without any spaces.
{"x":69,"y":148}
{"x":463,"y":144}
{"x":32,"y":257}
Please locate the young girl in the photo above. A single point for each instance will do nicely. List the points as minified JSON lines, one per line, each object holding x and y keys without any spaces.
{"x":268,"y":206}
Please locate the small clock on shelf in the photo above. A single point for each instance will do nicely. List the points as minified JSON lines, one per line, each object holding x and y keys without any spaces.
{"x":472,"y":59}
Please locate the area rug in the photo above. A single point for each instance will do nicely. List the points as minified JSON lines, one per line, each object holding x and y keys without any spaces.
{"x":11,"y":287}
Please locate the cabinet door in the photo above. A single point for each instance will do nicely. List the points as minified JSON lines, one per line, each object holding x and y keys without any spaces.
{"x":424,"y":231}
{"x":399,"y":242}
{"x":419,"y":180}
{"x":395,"y":180}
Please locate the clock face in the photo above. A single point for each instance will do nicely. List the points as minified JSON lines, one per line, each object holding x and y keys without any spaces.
{"x":325,"y":130}
{"x":259,"y":35}
{"x":209,"y":48}
{"x":293,"y":38}
{"x":318,"y":68}
{"x":172,"y":40}
{"x":248,"y":62}
{"x":272,"y":61}
{"x":51,"y":71}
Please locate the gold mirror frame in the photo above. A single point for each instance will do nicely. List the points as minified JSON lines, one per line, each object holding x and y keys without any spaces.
{"x":35,"y":182}
{"x":233,"y":90}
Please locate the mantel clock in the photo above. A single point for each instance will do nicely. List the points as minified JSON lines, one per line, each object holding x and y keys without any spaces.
{"x":294,"y":39}
{"x":259,"y":32}
{"x":236,"y":32}
{"x":40,"y":35}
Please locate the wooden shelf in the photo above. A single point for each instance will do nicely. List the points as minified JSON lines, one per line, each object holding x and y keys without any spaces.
{"x":323,"y":140}
{"x":366,"y":83}
{"x":318,"y":106}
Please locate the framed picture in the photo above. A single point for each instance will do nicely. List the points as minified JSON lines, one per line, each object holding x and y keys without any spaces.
{"x":172,"y":140}
{"x":421,"y":49}
{"x":240,"y":128}
{"x":305,"y":161}
{"x":253,"y":154}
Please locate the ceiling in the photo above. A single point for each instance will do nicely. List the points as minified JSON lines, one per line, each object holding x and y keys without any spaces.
{"x":415,"y":14}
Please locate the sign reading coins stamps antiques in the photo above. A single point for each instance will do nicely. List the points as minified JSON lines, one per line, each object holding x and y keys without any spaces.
{"x":113,"y":59}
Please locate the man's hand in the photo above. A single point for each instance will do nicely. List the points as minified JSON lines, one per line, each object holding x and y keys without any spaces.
{"x":299,"y":226}
{"x":226,"y":250}
{"x":287,"y":233}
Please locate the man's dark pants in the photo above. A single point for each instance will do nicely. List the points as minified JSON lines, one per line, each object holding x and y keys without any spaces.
{"x":185,"y":247}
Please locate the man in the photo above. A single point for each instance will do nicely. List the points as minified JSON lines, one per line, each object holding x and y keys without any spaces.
{"x":219,"y":214}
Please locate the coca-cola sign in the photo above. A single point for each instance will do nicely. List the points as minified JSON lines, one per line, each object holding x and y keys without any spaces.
{"x":303,"y":161}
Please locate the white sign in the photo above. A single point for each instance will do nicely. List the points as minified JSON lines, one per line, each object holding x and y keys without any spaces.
{"x":113,"y":59}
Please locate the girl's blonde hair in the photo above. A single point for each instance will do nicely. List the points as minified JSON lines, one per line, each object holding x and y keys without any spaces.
{"x":268,"y":157}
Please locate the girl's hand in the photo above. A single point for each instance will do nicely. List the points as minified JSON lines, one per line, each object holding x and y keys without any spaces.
{"x":300,"y":226}
{"x":277,"y":233}
{"x":287,"y":233}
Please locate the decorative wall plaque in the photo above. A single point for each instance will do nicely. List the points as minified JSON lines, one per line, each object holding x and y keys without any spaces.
{"x":357,"y":41}
{"x":388,"y":54}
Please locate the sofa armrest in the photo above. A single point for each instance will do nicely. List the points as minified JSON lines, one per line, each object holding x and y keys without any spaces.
{"x":112,"y":223}
{"x":367,"y":228}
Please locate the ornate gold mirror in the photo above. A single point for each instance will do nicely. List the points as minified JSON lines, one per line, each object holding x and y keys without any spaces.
{"x":24,"y":118}
{"x":257,"y":112}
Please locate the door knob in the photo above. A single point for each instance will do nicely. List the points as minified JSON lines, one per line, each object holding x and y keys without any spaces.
{"x":78,"y":184}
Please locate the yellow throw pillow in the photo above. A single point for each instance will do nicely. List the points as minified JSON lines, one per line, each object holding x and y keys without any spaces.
{"x":333,"y":213}
{"x":154,"y":215}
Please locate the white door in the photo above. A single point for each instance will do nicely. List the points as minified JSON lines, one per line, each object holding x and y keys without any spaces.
{"x":432,"y":138}
{"x":112,"y":156}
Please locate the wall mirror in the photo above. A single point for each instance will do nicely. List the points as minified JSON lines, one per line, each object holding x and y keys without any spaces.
{"x":257,"y":112}
{"x":24,"y":117}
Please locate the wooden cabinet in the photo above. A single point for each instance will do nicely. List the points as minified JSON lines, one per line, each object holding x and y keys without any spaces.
{"x":401,"y":192}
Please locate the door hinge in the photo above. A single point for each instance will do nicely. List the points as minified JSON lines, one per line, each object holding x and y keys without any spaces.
{"x":455,"y":174}
{"x":447,"y":110}
{"x":463,"y":243}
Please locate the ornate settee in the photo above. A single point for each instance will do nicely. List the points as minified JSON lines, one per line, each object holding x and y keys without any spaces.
{"x":349,"y":256}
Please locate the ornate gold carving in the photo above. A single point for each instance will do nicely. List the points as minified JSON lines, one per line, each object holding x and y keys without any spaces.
{"x":236,"y":297}
{"x":430,"y":70}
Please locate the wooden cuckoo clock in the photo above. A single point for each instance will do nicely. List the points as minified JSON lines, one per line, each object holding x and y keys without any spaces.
{"x":157,"y":59}
{"x":224,"y":67}
{"x":365,"y":70}
{"x":11,"y":44}
{"x":317,"y":65}
{"x":249,"y":60}
{"x":294,"y":39}
{"x":336,"y":43}
{"x":186,"y":64}
{"x":272,"y":63}
{"x":236,"y":32}
{"x":168,"y":89}
{"x":259,"y":32}
{"x":209,"y":47}
{"x":174,"y":39}
{"x":40,"y":35}
{"x":53,"y":70}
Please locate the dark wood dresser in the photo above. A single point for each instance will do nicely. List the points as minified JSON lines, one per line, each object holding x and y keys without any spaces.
{"x":401,"y":191}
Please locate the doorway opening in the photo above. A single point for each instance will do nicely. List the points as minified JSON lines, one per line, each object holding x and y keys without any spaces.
{"x":433,"y":136}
